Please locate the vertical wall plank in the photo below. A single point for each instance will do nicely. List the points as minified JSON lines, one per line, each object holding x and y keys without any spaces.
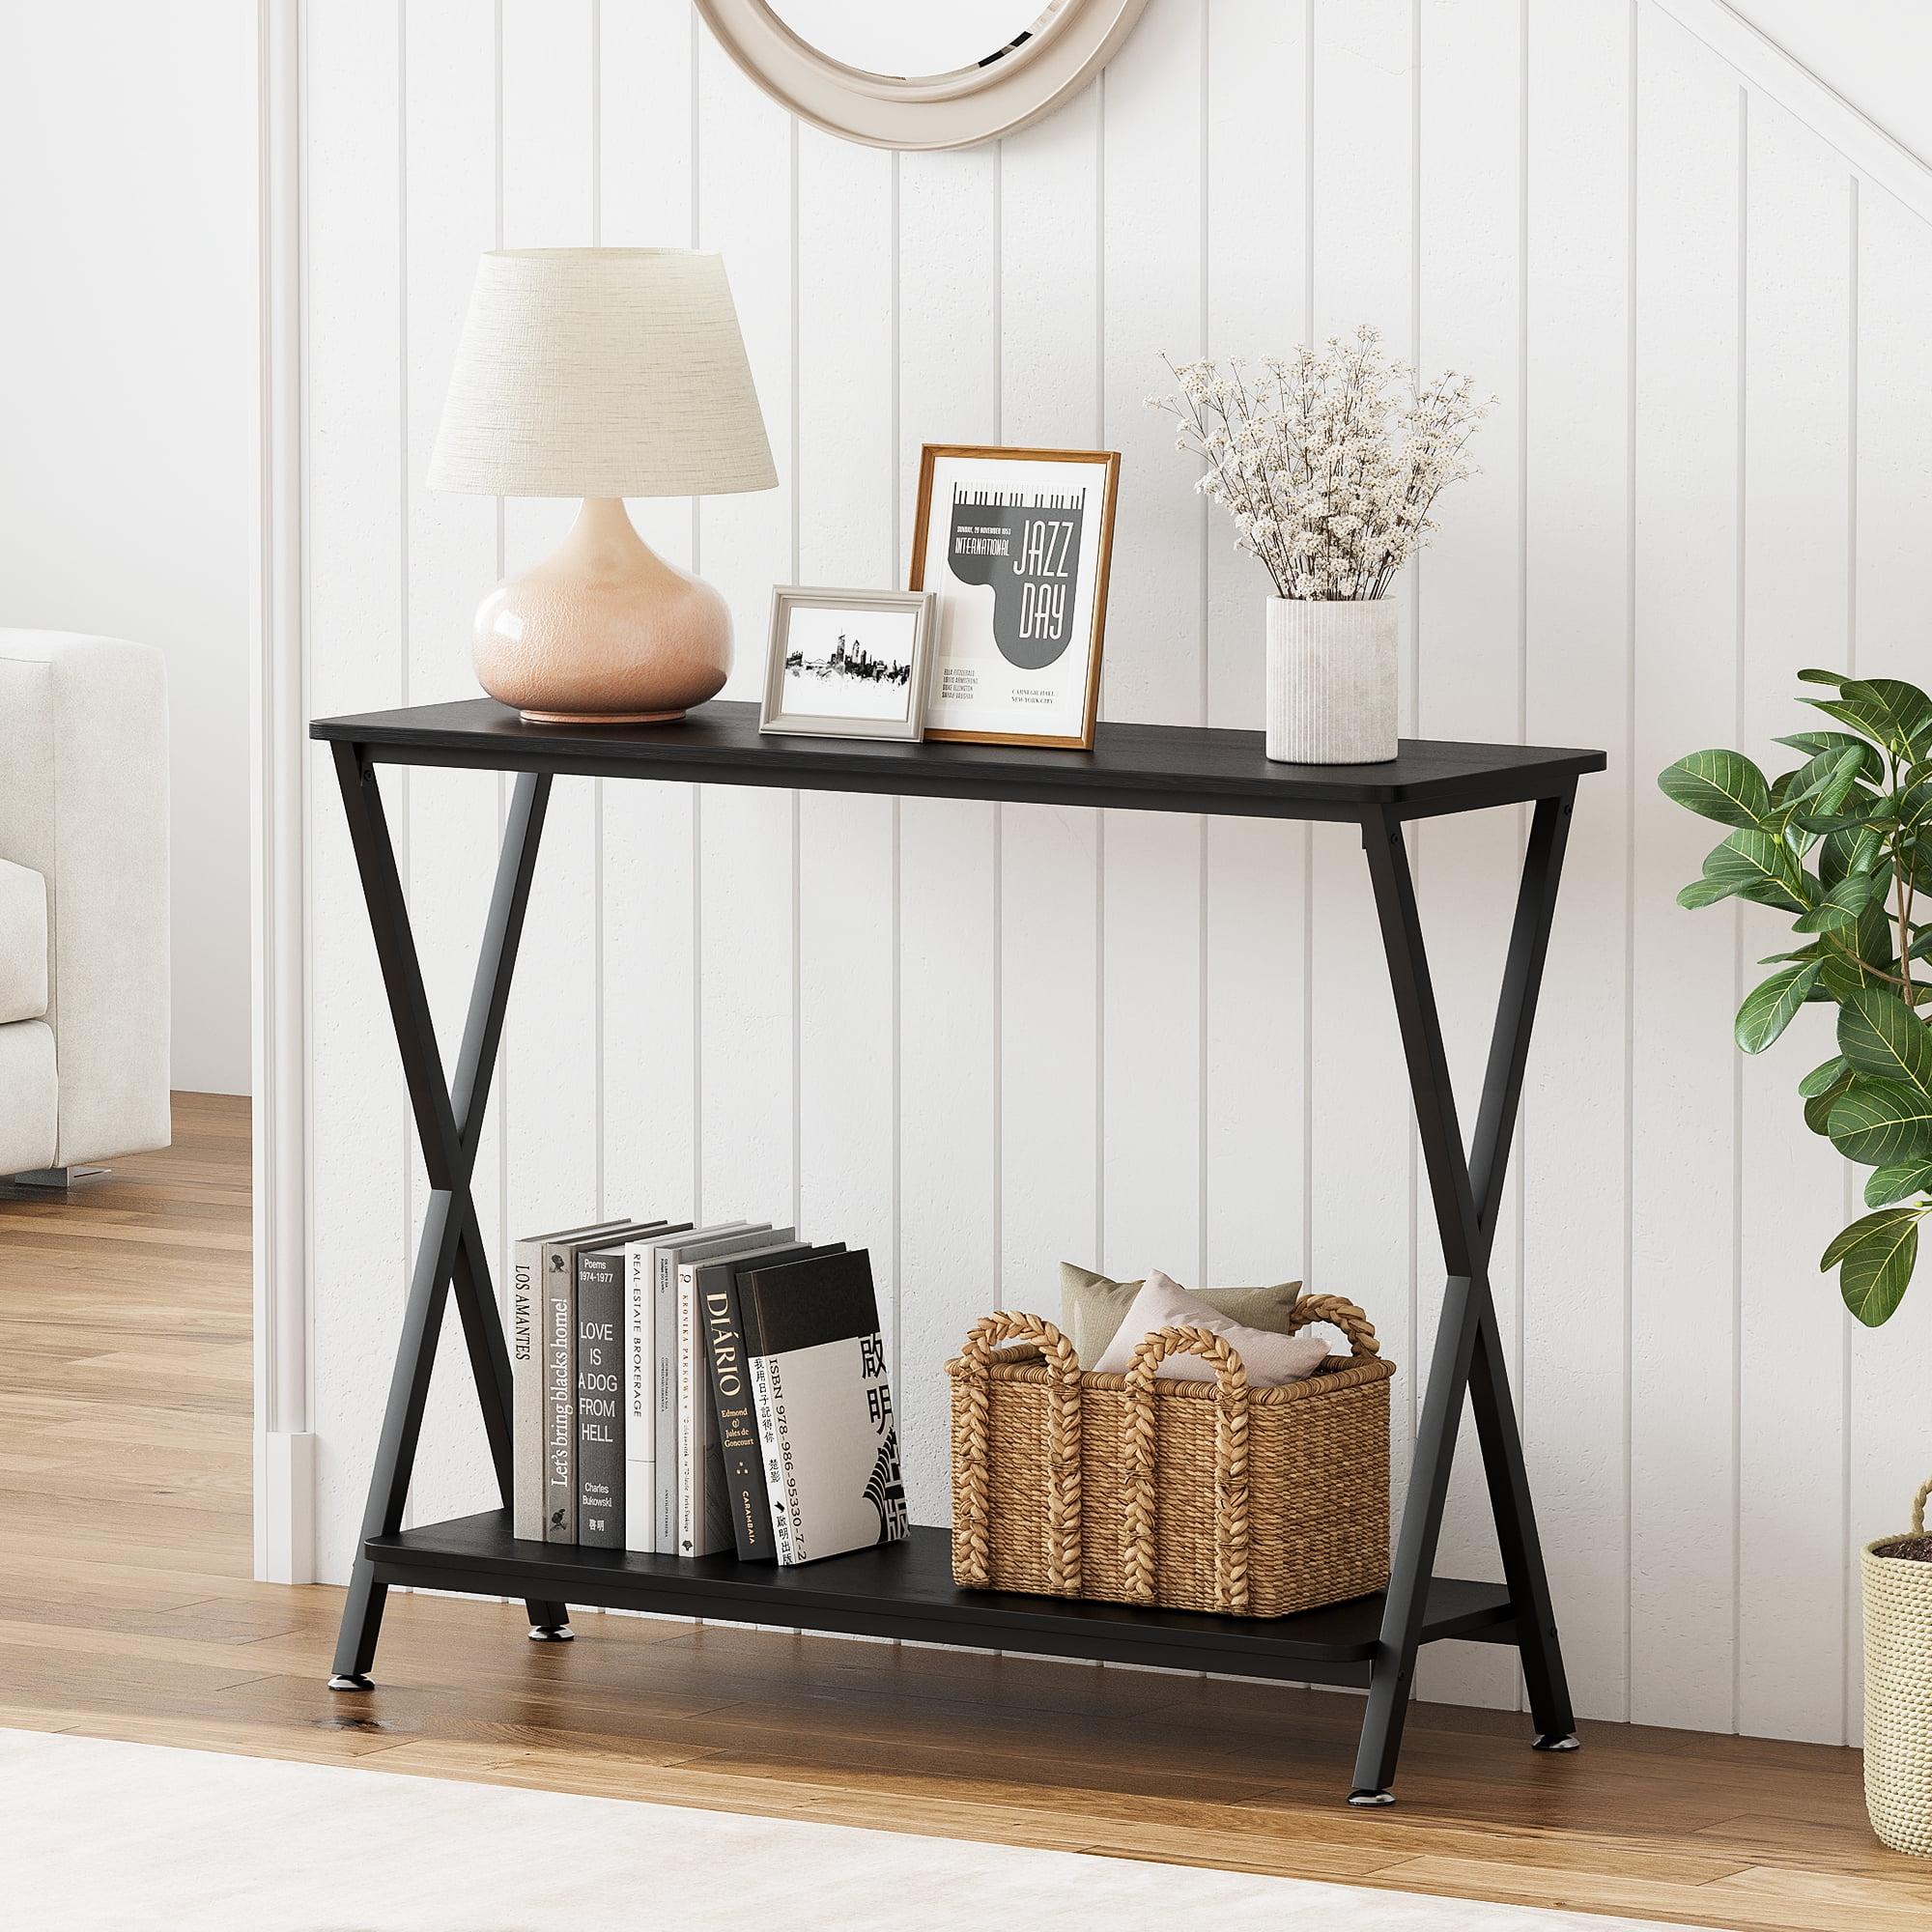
{"x":1469,"y":590}
{"x":1685,"y":1258}
{"x":1050,"y":314}
{"x":449,"y":209}
{"x":747,"y":914}
{"x":1885,"y":1398}
{"x":1152,"y":862}
{"x":646,"y":179}
{"x":355,"y":664}
{"x":552,"y":1056}
{"x":847,"y":906}
{"x":1361,"y":1200}
{"x":1254,"y":1092}
{"x":1791,"y":1336}
{"x":948,"y":242}
{"x":1571,"y":1155}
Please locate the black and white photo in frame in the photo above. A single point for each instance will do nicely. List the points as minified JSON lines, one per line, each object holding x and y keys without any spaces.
{"x":1017,"y":544}
{"x":848,"y":663}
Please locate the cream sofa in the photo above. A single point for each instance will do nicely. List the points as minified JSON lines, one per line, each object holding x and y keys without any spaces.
{"x":83,"y":902}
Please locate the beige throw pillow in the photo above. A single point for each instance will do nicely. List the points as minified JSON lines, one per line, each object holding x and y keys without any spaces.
{"x":1091,"y":1308}
{"x":1269,"y":1357}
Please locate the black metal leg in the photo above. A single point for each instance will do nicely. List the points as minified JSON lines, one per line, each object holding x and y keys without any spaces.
{"x":449,"y":1120}
{"x":1469,"y":1355}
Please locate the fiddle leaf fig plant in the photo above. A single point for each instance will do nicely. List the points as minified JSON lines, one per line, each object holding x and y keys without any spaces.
{"x":1843,"y":842}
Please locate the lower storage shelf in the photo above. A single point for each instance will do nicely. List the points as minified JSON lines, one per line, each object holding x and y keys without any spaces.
{"x":905,"y":1590}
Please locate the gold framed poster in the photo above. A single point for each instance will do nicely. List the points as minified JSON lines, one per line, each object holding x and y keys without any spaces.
{"x":1017,"y":544}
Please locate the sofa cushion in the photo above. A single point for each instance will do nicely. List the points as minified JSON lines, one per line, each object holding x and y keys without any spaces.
{"x":24,"y":943}
{"x":29,"y":1097}
{"x":84,"y":802}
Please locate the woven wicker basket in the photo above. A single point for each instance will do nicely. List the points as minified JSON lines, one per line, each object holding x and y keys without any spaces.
{"x":1194,"y":1495}
{"x":1898,"y":1691}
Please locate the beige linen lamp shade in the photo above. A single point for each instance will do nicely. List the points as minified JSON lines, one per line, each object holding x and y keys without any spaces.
{"x":602,"y":373}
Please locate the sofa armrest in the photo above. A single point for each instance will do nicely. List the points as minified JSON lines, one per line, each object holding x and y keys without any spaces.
{"x":84,"y":802}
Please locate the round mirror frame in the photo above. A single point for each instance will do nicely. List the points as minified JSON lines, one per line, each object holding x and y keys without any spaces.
{"x":950,"y":110}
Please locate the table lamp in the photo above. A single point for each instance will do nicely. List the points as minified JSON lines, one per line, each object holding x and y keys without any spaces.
{"x":602,"y":373}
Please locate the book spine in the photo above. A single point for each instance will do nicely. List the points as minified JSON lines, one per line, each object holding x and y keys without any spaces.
{"x":665,"y":1292}
{"x":768,"y":1399}
{"x":559,"y":1312}
{"x":526,"y":1394}
{"x":730,"y":1347}
{"x":641,"y":1424}
{"x":690,"y":1440}
{"x":600,"y":1414}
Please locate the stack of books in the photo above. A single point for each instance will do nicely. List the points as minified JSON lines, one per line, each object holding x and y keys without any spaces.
{"x":692,"y":1391}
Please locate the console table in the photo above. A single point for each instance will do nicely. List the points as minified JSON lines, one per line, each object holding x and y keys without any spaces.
{"x":905,"y":1590}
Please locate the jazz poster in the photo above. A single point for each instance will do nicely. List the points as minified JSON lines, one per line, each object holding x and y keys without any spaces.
{"x":1016,"y":543}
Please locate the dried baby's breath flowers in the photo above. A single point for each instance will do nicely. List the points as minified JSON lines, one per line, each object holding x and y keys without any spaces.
{"x":1328,"y":462}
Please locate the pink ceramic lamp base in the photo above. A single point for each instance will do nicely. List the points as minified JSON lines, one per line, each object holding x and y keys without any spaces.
{"x":602,"y":631}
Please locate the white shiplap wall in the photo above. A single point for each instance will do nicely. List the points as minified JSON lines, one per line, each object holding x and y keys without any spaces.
{"x":980,"y":1039}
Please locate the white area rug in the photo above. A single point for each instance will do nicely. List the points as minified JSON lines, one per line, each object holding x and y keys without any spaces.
{"x":97,"y":1834}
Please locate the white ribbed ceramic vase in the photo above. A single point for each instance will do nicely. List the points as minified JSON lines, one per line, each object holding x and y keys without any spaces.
{"x":1331,"y":695}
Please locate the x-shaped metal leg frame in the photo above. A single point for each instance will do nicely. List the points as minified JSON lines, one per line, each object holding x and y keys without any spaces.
{"x":1469,"y":1343}
{"x":449,"y":1124}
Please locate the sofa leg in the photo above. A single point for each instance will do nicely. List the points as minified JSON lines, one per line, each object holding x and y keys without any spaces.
{"x":61,"y":1177}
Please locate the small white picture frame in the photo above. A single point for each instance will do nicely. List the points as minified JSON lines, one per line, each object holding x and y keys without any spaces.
{"x":848,"y":663}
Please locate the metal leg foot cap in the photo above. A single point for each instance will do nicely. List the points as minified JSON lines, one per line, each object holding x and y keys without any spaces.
{"x":1550,"y":1741}
{"x":550,"y":1632}
{"x":1367,"y":1798}
{"x":350,"y":1680}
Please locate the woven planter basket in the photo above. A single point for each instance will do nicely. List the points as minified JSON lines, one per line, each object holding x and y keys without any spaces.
{"x":1192,"y":1495}
{"x":1898,"y":1691}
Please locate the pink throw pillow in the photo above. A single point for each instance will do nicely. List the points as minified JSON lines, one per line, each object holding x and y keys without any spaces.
{"x":1270,"y":1359}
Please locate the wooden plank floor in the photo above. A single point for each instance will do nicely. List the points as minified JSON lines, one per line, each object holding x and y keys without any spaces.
{"x":126,"y":1611}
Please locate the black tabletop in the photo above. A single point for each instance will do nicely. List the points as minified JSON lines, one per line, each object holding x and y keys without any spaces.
{"x":1145,"y":767}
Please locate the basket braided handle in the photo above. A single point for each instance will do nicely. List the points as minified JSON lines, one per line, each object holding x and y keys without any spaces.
{"x":1231,"y":1465}
{"x":972,"y":1539}
{"x":1918,"y":1507}
{"x":1336,"y":1314}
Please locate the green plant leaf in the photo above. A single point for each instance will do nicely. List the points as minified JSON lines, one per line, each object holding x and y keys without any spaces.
{"x":1860,"y":810}
{"x":1840,"y":906}
{"x":1892,"y":714}
{"x":1753,"y":865}
{"x":1879,"y":1034}
{"x":1880,"y":1123}
{"x":1700,"y":892}
{"x":1875,"y":1257}
{"x":1870,"y":766}
{"x":1906,"y":709}
{"x":1893,"y":1183}
{"x":1873,"y":935}
{"x":1841,"y":977}
{"x":1767,"y":1007}
{"x":1754,"y":858}
{"x":1724,"y":785}
{"x":1824,"y":1077}
{"x":1768,"y":891}
{"x":1818,"y":1107}
{"x":1868,"y":720}
{"x":1824,"y":677}
{"x":1823,"y":782}
{"x":1851,"y":848}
